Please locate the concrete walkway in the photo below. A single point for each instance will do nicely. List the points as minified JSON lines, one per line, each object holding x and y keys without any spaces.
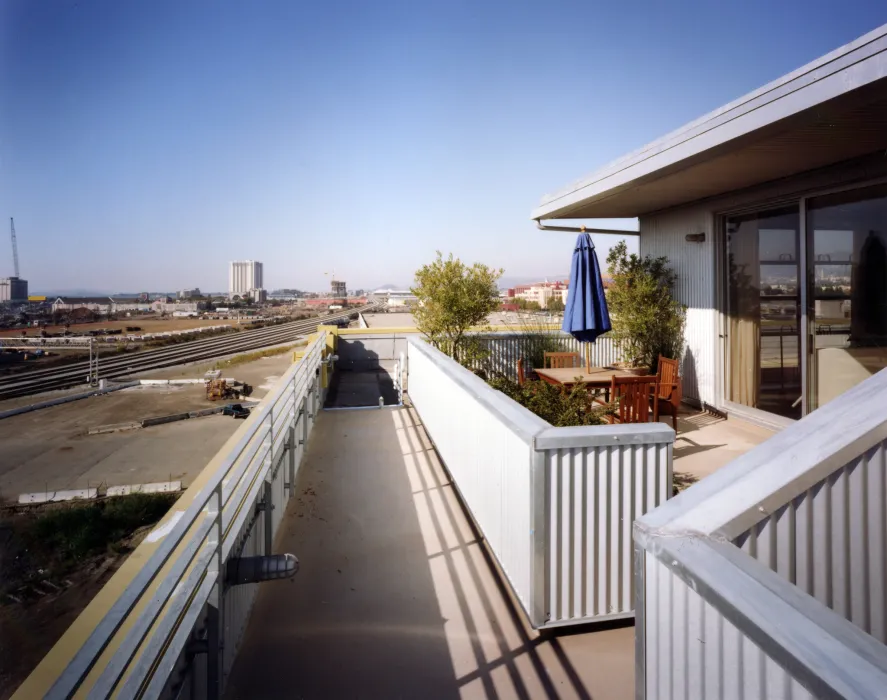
{"x":396,"y":598}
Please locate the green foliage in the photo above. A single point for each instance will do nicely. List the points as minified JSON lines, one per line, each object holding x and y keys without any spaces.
{"x":453,"y":297}
{"x":79,"y":530}
{"x":555,"y":305}
{"x":525,"y":305}
{"x":552,"y":403}
{"x":646,"y":320}
{"x":537,"y":339}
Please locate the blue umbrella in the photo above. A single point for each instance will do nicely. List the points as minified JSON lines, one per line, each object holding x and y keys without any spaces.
{"x":585,"y":314}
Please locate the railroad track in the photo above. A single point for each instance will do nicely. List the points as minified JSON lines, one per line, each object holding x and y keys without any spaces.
{"x":37,"y":381}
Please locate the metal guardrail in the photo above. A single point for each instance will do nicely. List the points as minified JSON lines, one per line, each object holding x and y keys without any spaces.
{"x":555,"y":505}
{"x":179,"y":604}
{"x":502,"y":350}
{"x":766,"y":579}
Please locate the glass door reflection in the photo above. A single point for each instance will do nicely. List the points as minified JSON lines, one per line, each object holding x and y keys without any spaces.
{"x":847,"y":307}
{"x":763,"y":254}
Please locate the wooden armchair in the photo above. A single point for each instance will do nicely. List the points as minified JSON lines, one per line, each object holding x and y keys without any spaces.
{"x":559,"y":360}
{"x":631,"y":398}
{"x":668,"y":391}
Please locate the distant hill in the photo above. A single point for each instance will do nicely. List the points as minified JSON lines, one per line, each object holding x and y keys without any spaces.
{"x":506,"y":282}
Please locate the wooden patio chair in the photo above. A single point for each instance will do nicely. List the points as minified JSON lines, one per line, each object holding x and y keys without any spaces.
{"x":631,"y":397}
{"x":521,"y":372}
{"x":668,"y":392}
{"x":559,"y":360}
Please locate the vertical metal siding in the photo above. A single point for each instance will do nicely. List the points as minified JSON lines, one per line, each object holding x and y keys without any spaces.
{"x":694,"y":653}
{"x":830,"y":549}
{"x":694,"y":263}
{"x":595,"y":495}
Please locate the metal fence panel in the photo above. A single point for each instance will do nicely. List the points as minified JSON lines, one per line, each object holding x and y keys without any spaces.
{"x":830,"y":541}
{"x":501,"y":351}
{"x":694,"y":652}
{"x":776,"y":563}
{"x":595,"y":494}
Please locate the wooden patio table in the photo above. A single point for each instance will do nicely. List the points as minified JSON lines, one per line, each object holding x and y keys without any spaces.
{"x":593,"y":377}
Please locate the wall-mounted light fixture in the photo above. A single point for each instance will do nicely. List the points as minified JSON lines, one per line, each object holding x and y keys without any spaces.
{"x":695,"y":238}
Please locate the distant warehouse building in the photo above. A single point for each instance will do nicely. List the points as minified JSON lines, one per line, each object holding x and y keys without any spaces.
{"x":99,"y":305}
{"x":13,"y":289}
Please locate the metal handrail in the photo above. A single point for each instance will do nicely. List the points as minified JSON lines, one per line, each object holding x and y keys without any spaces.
{"x":194,"y":546}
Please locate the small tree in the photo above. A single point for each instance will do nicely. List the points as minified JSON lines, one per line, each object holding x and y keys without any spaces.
{"x":452,"y":297}
{"x":646,"y":320}
{"x":555,"y":304}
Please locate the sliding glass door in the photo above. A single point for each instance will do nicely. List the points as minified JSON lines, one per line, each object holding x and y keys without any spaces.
{"x":847,"y":307}
{"x":824,"y":283}
{"x":764,"y":311}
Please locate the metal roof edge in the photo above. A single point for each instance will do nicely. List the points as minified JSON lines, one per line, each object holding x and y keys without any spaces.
{"x":866,"y":47}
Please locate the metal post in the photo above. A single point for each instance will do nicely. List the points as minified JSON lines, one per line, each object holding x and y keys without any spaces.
{"x":269,"y":518}
{"x":304,"y":417}
{"x":214,"y":609}
{"x":291,"y":459}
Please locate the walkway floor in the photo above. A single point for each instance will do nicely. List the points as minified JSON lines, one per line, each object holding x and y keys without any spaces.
{"x":395,"y":597}
{"x":706,"y":442}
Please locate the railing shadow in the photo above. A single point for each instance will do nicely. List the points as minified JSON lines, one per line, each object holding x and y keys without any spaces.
{"x":496,"y":653}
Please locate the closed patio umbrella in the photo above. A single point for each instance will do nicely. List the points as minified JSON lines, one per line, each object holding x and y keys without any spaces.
{"x":585,"y":314}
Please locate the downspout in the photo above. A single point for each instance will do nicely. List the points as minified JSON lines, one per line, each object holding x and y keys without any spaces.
{"x":585,"y":229}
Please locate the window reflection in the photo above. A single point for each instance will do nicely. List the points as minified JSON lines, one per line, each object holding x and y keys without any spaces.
{"x":847,"y":235}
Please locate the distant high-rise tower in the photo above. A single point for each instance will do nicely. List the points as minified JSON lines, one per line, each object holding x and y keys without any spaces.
{"x":243,"y":277}
{"x":339,"y":288}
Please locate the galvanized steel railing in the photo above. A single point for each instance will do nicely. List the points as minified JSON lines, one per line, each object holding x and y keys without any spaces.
{"x":503,"y":350}
{"x":178,"y":617}
{"x":555,"y":505}
{"x":767,"y":578}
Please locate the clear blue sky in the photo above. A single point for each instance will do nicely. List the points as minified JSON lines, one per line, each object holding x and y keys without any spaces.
{"x":145,"y":144}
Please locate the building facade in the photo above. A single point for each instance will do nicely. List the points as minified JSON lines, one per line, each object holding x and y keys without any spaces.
{"x":99,"y":305}
{"x":338,"y":288}
{"x":772,"y":210}
{"x":13,"y":289}
{"x":243,"y":277}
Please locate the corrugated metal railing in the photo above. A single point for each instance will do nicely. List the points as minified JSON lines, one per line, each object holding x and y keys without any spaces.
{"x":767,"y":579}
{"x":555,"y":505}
{"x":176,"y":626}
{"x":502,"y":351}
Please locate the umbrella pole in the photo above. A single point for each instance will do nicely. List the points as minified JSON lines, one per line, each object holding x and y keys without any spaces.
{"x":588,"y":358}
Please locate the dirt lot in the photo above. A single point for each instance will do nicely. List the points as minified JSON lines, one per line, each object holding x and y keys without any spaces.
{"x":49,"y":450}
{"x":148,"y":324}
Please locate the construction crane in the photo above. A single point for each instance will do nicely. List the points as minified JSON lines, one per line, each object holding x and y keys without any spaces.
{"x":14,"y":246}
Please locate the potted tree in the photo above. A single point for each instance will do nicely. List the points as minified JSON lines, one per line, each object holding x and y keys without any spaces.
{"x":647,"y":321}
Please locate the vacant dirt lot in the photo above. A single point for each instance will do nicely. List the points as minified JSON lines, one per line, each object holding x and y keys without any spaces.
{"x":49,"y":450}
{"x":148,"y":324}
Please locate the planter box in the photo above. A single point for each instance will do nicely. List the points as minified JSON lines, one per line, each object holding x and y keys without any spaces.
{"x":555,"y":505}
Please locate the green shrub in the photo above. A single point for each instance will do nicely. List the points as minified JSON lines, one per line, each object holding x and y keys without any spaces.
{"x":79,"y":530}
{"x":552,"y":403}
{"x":647,"y":321}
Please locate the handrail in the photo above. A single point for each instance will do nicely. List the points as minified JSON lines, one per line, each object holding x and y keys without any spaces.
{"x":142,"y":631}
{"x":696,"y":537}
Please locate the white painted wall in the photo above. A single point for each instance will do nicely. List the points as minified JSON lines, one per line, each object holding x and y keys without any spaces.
{"x":695,"y":264}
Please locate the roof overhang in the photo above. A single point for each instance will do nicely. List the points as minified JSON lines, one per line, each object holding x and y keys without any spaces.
{"x":831,"y":110}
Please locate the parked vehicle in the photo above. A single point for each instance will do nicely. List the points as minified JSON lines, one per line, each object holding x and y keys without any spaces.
{"x":235,"y":409}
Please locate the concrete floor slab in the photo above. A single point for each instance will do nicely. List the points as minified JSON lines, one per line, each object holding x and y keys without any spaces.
{"x":396,"y":597}
{"x":706,"y":442}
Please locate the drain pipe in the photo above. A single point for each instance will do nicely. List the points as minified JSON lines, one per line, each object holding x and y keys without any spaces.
{"x":585,"y":229}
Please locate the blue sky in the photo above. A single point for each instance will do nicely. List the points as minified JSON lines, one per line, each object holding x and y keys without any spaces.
{"x":145,"y":144}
